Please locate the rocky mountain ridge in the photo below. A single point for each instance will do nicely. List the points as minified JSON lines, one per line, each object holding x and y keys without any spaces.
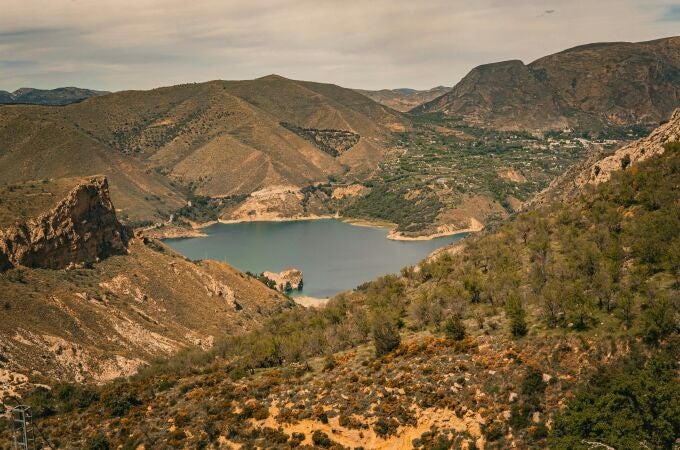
{"x":588,"y":87}
{"x":601,"y":164}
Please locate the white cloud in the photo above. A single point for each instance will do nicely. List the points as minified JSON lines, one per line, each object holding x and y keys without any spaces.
{"x":358,"y":43}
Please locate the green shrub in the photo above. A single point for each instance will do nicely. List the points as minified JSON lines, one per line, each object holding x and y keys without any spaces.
{"x":119,"y":401}
{"x":454,"y":328}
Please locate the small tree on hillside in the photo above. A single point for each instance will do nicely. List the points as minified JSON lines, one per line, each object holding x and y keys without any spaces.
{"x":385,"y":336}
{"x":517,"y":316}
{"x":454,"y":328}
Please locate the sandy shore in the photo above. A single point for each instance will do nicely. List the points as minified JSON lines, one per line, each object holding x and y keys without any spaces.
{"x":172,"y":232}
{"x":310,"y":302}
{"x":446,"y":230}
{"x":368,"y":223}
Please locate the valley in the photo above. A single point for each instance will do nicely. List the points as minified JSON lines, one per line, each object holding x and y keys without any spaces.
{"x":275,"y":148}
{"x":536,"y":334}
{"x":277,"y":263}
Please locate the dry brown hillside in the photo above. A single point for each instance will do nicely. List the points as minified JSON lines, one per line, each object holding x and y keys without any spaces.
{"x":108,"y":311}
{"x":37,"y":143}
{"x":216,"y":139}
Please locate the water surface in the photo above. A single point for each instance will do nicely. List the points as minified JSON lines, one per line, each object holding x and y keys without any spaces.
{"x":333,"y":255}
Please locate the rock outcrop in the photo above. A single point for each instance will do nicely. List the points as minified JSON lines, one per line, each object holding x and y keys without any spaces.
{"x":600,"y":165}
{"x":635,"y":152}
{"x":286,"y":281}
{"x":81,"y":228}
{"x":96,"y":323}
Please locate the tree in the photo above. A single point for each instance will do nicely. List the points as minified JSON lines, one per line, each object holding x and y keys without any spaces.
{"x":551,"y":304}
{"x":517,"y":316}
{"x":578,"y":303}
{"x":629,"y":403}
{"x":660,"y":318}
{"x":385,"y":336}
{"x":473,"y":285}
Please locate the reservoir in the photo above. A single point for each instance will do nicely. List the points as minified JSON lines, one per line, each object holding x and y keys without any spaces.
{"x":333,"y":255}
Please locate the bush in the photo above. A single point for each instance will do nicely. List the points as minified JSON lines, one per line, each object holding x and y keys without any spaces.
{"x":321,"y":439}
{"x":385,"y":427}
{"x":385,"y":336}
{"x":119,"y":402}
{"x":454,"y":328}
{"x":625,"y":161}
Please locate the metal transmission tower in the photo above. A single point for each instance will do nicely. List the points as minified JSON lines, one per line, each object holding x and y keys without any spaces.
{"x":22,"y":428}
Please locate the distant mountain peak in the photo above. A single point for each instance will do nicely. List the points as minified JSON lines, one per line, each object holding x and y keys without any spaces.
{"x":404,"y":99}
{"x":53,"y":97}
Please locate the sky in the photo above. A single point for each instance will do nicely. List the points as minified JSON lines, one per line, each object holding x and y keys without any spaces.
{"x":370,"y":44}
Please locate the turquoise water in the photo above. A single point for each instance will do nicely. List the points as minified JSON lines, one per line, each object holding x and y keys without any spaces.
{"x":333,"y":255}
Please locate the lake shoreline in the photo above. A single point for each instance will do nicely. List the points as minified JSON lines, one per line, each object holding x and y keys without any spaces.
{"x":333,"y":255}
{"x":175,"y":232}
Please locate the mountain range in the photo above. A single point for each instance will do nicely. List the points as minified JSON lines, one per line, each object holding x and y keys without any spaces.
{"x":557,"y":318}
{"x":53,"y":97}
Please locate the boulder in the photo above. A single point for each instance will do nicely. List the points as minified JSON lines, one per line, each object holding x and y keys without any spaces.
{"x":286,"y":281}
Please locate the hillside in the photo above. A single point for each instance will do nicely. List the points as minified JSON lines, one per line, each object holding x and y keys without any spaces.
{"x":83,"y":299}
{"x":602,"y":163}
{"x":540,"y":334}
{"x":218,"y":139}
{"x":53,"y":97}
{"x":404,"y":99}
{"x":591,"y":87}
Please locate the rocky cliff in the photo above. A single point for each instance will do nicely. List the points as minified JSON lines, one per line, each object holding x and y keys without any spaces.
{"x":137,"y":300}
{"x":81,"y":228}
{"x":588,"y":87}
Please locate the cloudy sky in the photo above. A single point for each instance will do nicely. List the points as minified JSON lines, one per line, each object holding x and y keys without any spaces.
{"x":140,"y":44}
